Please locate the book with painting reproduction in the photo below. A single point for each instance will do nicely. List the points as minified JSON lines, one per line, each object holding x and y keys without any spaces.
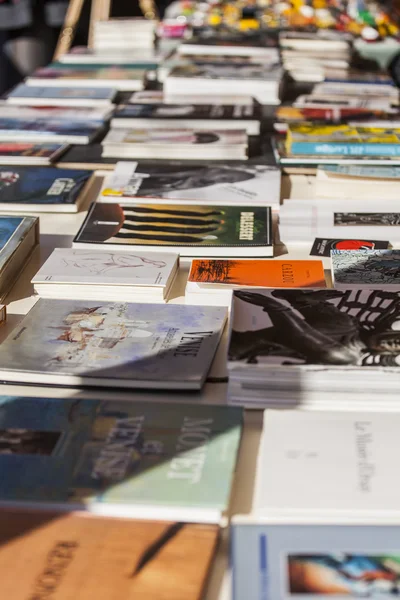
{"x":120,"y":78}
{"x":20,"y":153}
{"x":201,"y":116}
{"x":216,"y":279}
{"x":177,"y":143}
{"x":366,"y":269}
{"x":357,"y":182}
{"x":43,"y":189}
{"x":113,"y":344}
{"x":192,"y":230}
{"x":304,"y":220}
{"x":288,"y":561}
{"x":237,"y":183}
{"x":307,"y":348}
{"x":119,"y":458}
{"x":57,"y":549}
{"x":64,"y":131}
{"x":261,"y":82}
{"x":323,"y":246}
{"x":115,"y":276}
{"x":61,"y":96}
{"x":19,"y":236}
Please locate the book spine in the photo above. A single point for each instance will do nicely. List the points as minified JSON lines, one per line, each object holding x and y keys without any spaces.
{"x":345,"y":149}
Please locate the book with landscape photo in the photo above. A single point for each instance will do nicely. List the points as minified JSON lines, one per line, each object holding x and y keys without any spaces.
{"x":144,"y":460}
{"x":42,"y":189}
{"x":96,"y":343}
{"x":56,"y":550}
{"x":193,"y":230}
{"x":90,"y":274}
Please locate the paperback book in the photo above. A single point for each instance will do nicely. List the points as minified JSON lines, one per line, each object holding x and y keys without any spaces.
{"x":238,"y":183}
{"x":324,"y":246}
{"x":120,"y":78}
{"x":176,"y":143}
{"x":63,"y":131}
{"x":43,"y":189}
{"x":309,"y":347}
{"x":61,"y":96}
{"x":57,"y":549}
{"x":119,"y":458}
{"x":95,"y":343}
{"x":92,"y":274}
{"x":357,"y":182}
{"x":19,"y":236}
{"x":194,"y":230}
{"x":366,"y":269}
{"x":21,"y":153}
{"x":201,"y":116}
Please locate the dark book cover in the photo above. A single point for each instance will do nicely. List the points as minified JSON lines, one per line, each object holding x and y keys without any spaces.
{"x":323,"y":246}
{"x":187,"y":111}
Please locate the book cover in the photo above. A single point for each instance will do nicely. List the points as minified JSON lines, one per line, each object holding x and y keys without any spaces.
{"x":68,"y":93}
{"x":323,"y":246}
{"x":120,"y":344}
{"x":174,"y":225}
{"x":108,"y":73}
{"x":61,"y":127}
{"x":41,"y":185}
{"x":259,"y":273}
{"x":96,"y":267}
{"x":288,"y":562}
{"x":371,"y":269}
{"x":359,"y":171}
{"x":186,"y":111}
{"x":227,"y":71}
{"x":241,"y":182}
{"x":184,"y":137}
{"x":86,"y":556}
{"x":299,"y":448}
{"x":311,"y":329}
{"x":31,"y":150}
{"x":119,"y":458}
{"x":13,"y":231}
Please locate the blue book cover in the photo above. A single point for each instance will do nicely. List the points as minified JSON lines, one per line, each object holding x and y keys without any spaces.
{"x":36,"y":186}
{"x":120,"y":458}
{"x":345,"y":149}
{"x":314,"y":562}
{"x":48,"y":126}
{"x":68,"y":93}
{"x":74,"y":342}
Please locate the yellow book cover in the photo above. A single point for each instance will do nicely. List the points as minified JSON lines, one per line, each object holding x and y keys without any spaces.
{"x":259,"y":273}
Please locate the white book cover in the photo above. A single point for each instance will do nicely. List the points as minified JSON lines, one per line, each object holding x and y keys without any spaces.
{"x":98,"y":267}
{"x":236,"y":183}
{"x":326,"y":466}
{"x":182,"y":137}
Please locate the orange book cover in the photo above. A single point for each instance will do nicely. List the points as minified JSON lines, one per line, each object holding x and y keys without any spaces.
{"x":259,"y":273}
{"x":55,"y":556}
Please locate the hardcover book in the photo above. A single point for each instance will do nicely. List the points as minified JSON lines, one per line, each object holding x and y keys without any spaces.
{"x":323,"y":246}
{"x":161,"y":115}
{"x":19,"y":236}
{"x":119,"y":458}
{"x":366,"y":269}
{"x":42,"y":189}
{"x":67,"y":342}
{"x":92,"y":274}
{"x":288,"y":562}
{"x":194,"y":230}
{"x":208,"y":183}
{"x":61,"y":96}
{"x":107,"y":558}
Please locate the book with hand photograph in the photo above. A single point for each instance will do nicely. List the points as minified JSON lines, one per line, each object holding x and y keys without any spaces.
{"x":140,"y":460}
{"x":366,"y":269}
{"x":59,"y":548}
{"x":193,"y":230}
{"x":239,"y":183}
{"x":176,"y":143}
{"x":42,"y":189}
{"x":91,"y":274}
{"x":96,"y":343}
